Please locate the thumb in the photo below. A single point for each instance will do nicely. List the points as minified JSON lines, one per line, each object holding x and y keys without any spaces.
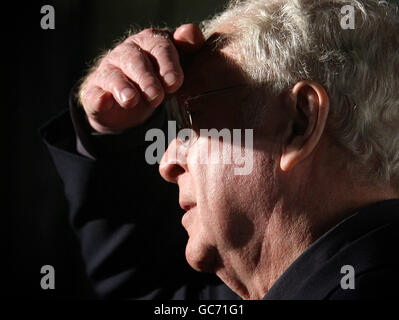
{"x":188,"y":38}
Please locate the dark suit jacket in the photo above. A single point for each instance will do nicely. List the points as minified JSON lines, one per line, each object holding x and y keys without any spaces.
{"x":128,"y":221}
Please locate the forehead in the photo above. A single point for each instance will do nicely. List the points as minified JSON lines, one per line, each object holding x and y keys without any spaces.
{"x":209,"y":69}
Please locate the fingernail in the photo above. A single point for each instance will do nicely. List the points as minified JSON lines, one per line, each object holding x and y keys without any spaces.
{"x":152,"y":93}
{"x":127,"y":94}
{"x":170,"y":78}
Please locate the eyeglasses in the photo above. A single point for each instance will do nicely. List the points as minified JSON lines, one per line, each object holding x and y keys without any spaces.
{"x":179,"y":110}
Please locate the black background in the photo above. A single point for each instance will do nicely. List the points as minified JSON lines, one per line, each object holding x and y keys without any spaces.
{"x":41,"y":66}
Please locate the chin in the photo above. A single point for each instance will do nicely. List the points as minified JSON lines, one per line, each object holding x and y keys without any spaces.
{"x":200,"y":257}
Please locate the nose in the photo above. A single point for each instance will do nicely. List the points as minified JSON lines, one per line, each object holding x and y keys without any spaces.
{"x":173,"y":162}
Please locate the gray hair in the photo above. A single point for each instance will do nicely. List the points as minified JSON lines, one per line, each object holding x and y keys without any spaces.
{"x":281,"y":42}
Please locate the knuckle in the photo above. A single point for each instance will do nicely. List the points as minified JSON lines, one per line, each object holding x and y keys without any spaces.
{"x":130,"y":46}
{"x":132,"y":58}
{"x":147,"y":79}
{"x":162,"y":47}
{"x":102,"y":74}
{"x":102,"y":69}
{"x":147,"y":37}
{"x":133,"y":66}
{"x":114,"y":74}
{"x":146,"y":32}
{"x":109,"y":76}
{"x":162,"y":33}
{"x":167,"y":57}
{"x":127,"y":51}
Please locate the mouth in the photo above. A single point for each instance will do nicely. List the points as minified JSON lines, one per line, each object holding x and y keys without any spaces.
{"x":187,"y":216}
{"x":186,"y":205}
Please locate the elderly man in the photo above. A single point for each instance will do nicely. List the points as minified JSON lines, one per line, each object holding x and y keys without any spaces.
{"x":317,"y":215}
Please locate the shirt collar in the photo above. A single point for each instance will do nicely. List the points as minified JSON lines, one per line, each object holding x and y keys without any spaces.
{"x":363,"y":221}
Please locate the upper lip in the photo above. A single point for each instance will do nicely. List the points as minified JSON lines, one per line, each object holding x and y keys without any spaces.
{"x":186,"y":205}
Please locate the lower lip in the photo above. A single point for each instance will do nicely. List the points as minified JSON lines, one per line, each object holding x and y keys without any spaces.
{"x":185,"y":217}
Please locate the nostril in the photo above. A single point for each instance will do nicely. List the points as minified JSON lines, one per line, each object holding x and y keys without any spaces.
{"x":170,"y":172}
{"x":176,"y":171}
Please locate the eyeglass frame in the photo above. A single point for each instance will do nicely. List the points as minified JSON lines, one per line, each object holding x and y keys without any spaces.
{"x":169,"y":101}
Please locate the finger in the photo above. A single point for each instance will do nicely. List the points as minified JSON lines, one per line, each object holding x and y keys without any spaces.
{"x":135,"y":64}
{"x":95,"y":100}
{"x":188,"y":38}
{"x":160,"y":48}
{"x":165,"y":55}
{"x":113,"y":80}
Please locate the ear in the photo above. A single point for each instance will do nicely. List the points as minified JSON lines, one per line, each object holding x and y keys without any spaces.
{"x":310,"y":105}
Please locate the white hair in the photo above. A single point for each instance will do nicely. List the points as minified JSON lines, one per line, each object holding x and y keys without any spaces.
{"x":281,"y":42}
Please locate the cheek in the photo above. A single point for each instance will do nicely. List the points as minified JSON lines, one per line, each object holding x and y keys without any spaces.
{"x":222,"y":217}
{"x":227,"y":203}
{"x":211,"y":183}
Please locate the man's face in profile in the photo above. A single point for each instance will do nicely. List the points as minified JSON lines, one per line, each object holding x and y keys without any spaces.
{"x":222,"y":207}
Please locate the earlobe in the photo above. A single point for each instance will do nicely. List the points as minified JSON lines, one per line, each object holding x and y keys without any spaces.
{"x":311,"y":105}
{"x":290,"y":157}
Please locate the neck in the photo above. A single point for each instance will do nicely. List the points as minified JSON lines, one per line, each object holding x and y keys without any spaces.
{"x":265,"y":259}
{"x":292,"y":227}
